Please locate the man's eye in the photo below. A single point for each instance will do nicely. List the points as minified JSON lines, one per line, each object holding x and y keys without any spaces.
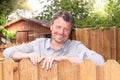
{"x":66,"y":29}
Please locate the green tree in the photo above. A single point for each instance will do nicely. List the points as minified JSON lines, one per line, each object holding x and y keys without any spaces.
{"x":79,"y":10}
{"x":84,"y":13}
{"x":2,"y":19}
{"x":113,"y":8}
{"x":7,"y":33}
{"x":8,"y":6}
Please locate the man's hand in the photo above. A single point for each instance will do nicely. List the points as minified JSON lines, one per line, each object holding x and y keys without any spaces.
{"x":34,"y":57}
{"x":48,"y":61}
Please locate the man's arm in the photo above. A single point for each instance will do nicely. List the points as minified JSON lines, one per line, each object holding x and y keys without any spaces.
{"x":95,"y":57}
{"x":34,"y":57}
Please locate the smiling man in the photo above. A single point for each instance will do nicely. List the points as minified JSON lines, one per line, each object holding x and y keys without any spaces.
{"x":56,"y":48}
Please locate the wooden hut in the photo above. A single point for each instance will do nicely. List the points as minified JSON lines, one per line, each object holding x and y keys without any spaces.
{"x":29,"y":29}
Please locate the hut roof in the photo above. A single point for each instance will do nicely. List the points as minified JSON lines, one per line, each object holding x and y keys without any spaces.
{"x":41,"y":22}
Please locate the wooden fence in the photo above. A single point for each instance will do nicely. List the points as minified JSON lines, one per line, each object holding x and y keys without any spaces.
{"x":105,"y":42}
{"x":64,"y":70}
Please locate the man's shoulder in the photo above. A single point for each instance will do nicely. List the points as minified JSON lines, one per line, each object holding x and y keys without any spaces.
{"x":75,"y":42}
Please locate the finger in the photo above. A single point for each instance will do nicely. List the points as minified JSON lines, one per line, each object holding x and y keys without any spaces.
{"x":40,"y":59}
{"x":50,"y":65}
{"x":37,"y":57}
{"x":47,"y":64}
{"x":32,"y":59}
{"x":44,"y":64}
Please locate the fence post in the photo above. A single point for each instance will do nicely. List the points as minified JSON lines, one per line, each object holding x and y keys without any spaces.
{"x":8,"y":66}
{"x":68,"y":71}
{"x":111,"y":70}
{"x":87,"y":70}
{"x":27,"y":71}
{"x":1,"y":68}
{"x":50,"y":74}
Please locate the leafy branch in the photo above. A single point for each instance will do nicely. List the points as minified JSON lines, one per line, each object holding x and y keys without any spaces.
{"x":7,"y":34}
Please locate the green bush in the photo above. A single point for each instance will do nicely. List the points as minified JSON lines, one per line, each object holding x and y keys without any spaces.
{"x":7,"y":34}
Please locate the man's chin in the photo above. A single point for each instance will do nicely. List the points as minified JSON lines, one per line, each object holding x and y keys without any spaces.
{"x":60,"y":41}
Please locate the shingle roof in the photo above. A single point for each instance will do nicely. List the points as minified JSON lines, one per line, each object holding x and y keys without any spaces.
{"x":41,"y":22}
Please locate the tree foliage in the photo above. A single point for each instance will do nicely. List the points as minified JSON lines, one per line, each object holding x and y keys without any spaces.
{"x":82,"y":12}
{"x":2,"y":19}
{"x":7,"y":34}
{"x":79,"y":10}
{"x":113,"y":8}
{"x":8,"y":6}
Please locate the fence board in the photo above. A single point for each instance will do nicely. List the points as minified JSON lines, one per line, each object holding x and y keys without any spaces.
{"x":111,"y":70}
{"x":1,"y":68}
{"x":118,"y":43}
{"x":113,"y":42}
{"x":87,"y":70}
{"x":27,"y":70}
{"x":107,"y":44}
{"x":50,"y":74}
{"x":8,"y":69}
{"x":100,"y":42}
{"x":16,"y":71}
{"x":94,"y":40}
{"x":99,"y":73}
{"x":68,"y":71}
{"x":85,"y":34}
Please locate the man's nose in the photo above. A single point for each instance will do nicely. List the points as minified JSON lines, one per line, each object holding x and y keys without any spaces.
{"x":61,"y":31}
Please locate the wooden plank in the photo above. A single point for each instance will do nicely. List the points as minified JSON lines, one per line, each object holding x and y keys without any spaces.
{"x":113,"y":42}
{"x":1,"y":69}
{"x":15,"y":71}
{"x":100,"y":44}
{"x":1,"y":55}
{"x":85,"y":34}
{"x":50,"y":74}
{"x":78,"y":34}
{"x":73,"y":34}
{"x":118,"y":43}
{"x":68,"y":71}
{"x":99,"y":72}
{"x":8,"y":69}
{"x":27,"y":70}
{"x":107,"y":44}
{"x":87,"y":70}
{"x":94,"y":40}
{"x":111,"y":70}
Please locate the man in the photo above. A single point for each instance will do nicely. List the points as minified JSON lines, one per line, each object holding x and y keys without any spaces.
{"x":57,"y":48}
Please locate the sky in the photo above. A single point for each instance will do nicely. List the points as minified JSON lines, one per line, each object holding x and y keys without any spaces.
{"x":36,"y":5}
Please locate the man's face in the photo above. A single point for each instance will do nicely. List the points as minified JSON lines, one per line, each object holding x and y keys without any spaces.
{"x":60,"y":30}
